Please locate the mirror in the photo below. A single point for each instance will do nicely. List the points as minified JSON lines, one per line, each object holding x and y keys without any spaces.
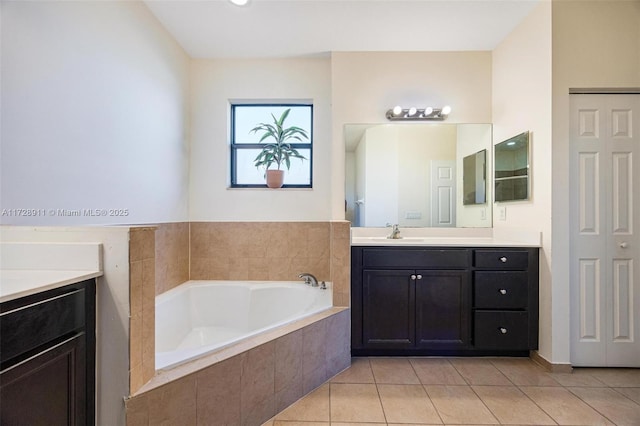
{"x":474,"y":178}
{"x":512,"y":169}
{"x":412,"y":174}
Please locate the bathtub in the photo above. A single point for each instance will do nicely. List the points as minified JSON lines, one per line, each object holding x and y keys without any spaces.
{"x":199,"y":317}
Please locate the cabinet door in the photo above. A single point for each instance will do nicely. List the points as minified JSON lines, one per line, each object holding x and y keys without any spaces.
{"x":388,"y":308}
{"x":47,"y":389}
{"x":442,"y":309}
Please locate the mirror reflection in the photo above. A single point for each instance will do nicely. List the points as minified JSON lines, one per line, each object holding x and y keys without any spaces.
{"x":412,"y":174}
{"x":512,"y":168}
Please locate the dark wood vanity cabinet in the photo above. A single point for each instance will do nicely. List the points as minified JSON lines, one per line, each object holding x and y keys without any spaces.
{"x":47,"y":357}
{"x":431,"y":301}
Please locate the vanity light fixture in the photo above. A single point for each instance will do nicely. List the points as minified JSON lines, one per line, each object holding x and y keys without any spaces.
{"x":418,"y":114}
{"x":239,"y":2}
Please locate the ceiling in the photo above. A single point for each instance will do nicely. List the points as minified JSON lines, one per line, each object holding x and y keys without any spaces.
{"x":287,"y":28}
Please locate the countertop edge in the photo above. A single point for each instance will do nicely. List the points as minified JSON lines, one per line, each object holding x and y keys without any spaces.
{"x":39,"y":287}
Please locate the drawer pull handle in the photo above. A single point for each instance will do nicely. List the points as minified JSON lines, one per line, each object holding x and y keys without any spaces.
{"x":503,"y":330}
{"x":503,"y":259}
{"x":413,"y":277}
{"x":419,"y":276}
{"x":503,"y":291}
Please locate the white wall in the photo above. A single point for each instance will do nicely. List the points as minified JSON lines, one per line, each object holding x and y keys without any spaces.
{"x":94,"y":111}
{"x":112,"y":316}
{"x":366,"y":84}
{"x":217,"y":82}
{"x":596,"y":44}
{"x":522,"y":101}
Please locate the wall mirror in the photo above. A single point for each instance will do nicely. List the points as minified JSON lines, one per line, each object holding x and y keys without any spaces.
{"x":512,"y":172}
{"x":474,"y":178}
{"x":412,"y":174}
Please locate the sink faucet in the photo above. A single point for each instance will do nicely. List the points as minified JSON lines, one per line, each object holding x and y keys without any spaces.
{"x":309,"y":279}
{"x":395,"y":233}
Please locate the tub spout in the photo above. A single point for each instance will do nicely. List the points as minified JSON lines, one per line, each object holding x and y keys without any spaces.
{"x":309,"y":279}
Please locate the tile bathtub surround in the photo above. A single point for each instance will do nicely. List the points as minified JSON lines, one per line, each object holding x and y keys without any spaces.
{"x":270,"y":251}
{"x":249,"y":388}
{"x":172,"y":255}
{"x":341,"y":262}
{"x":470,"y":391}
{"x":142,"y":279}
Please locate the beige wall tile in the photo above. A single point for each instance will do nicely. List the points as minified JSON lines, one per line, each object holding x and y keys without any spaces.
{"x":288,"y":362}
{"x":257,"y":399}
{"x":218,"y":393}
{"x":135,"y":287}
{"x":135,"y":342}
{"x":174,"y":403}
{"x":141,"y":243}
{"x":172,"y":255}
{"x":137,"y":411}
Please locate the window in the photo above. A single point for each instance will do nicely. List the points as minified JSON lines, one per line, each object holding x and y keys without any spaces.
{"x":246,"y":145}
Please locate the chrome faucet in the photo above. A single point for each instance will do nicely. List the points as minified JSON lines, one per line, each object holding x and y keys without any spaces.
{"x":395,"y":233}
{"x":309,"y":279}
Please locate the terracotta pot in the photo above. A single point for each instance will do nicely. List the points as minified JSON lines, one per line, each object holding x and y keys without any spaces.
{"x":275,"y":178}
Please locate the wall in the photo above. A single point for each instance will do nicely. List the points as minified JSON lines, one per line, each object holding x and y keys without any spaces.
{"x":366,"y":84}
{"x":94,"y":112}
{"x":522,"y":101}
{"x":595,"y":44}
{"x":216,"y":83}
{"x":112,"y":293}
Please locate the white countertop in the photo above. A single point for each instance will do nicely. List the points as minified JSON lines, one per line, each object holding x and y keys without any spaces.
{"x":446,"y":237}
{"x":15,"y":283}
{"x":29,"y":268}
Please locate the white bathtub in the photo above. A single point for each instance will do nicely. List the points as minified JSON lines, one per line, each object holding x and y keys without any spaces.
{"x":199,"y":317}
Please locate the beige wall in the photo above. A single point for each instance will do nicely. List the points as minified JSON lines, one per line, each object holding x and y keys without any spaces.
{"x":216,"y":83}
{"x":522,"y":101}
{"x":595,"y":44}
{"x":365,"y":85}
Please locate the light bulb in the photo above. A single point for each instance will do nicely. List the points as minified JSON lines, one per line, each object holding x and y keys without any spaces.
{"x":239,"y":2}
{"x":428,"y":111}
{"x":397,"y":110}
{"x":446,"y":110}
{"x":412,"y":111}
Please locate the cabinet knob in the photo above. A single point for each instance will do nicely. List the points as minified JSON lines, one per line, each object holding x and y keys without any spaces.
{"x":623,"y":245}
{"x":413,"y":277}
{"x":503,"y":330}
{"x":503,"y":291}
{"x":503,"y":259}
{"x":419,"y":276}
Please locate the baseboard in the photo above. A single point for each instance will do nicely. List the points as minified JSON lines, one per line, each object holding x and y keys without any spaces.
{"x":550,"y":367}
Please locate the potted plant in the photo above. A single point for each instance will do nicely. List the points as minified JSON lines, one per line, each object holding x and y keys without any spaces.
{"x":279,"y":151}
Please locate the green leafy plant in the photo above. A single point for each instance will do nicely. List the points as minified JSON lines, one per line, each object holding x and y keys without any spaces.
{"x":279,"y":151}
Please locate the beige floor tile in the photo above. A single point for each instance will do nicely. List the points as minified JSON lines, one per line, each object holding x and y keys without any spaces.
{"x":459,"y":405}
{"x":511,"y":406}
{"x":611,"y":404}
{"x":631,"y":393}
{"x":359,"y":372}
{"x":617,"y":377}
{"x":435,"y":371}
{"x":313,"y":407}
{"x":524,"y":372}
{"x":564,"y":407}
{"x":578,"y":377}
{"x":479,"y":372}
{"x":355,"y":403}
{"x":394,"y":371}
{"x":407,"y":404}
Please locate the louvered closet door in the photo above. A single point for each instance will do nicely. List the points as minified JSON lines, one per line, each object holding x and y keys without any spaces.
{"x":605,"y":216}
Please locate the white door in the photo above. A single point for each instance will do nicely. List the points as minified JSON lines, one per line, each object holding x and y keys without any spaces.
{"x":605,"y":247}
{"x":443,"y":193}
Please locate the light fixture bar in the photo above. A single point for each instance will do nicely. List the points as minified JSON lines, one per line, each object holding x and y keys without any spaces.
{"x":418,"y":114}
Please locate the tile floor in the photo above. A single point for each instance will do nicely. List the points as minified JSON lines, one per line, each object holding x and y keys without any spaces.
{"x":467,"y":391}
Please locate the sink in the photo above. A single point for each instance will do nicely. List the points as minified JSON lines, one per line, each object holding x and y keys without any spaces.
{"x":424,"y":241}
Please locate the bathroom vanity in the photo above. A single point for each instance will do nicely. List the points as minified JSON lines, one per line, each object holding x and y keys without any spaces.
{"x":47,"y":333}
{"x":413,"y":299}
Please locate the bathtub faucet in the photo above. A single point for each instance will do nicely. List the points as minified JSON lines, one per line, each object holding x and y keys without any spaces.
{"x":309,"y":279}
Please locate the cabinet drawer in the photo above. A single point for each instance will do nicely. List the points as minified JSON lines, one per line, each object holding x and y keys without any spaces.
{"x":501,"y":330}
{"x":26,"y":328}
{"x":502,"y":259}
{"x":500,"y":290}
{"x":415,"y":258}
